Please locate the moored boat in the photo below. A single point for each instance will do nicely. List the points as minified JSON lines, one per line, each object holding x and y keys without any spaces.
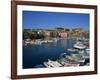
{"x":72,"y":50}
{"x":51,"y":63}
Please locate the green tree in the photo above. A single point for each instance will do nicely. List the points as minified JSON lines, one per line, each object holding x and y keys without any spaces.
{"x":25,"y":34}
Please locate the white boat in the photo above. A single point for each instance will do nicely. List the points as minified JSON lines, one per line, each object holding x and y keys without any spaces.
{"x":78,"y":58}
{"x":51,"y":63}
{"x":38,"y":42}
{"x":70,"y":58}
{"x":86,"y":57}
{"x":49,"y":41}
{"x":69,"y":62}
{"x":79,"y":45}
{"x":72,"y":50}
{"x":72,"y":64}
{"x":47,"y":65}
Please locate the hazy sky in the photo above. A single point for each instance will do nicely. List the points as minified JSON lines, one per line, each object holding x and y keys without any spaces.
{"x":51,"y":20}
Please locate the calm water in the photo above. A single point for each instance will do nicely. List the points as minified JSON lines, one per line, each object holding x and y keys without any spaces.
{"x":37,"y":54}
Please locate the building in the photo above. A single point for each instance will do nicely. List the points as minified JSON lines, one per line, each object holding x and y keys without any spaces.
{"x":46,"y":33}
{"x":63,"y":34}
{"x":53,"y":34}
{"x":50,"y":33}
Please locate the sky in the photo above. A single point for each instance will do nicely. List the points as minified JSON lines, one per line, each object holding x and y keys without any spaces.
{"x":51,"y":20}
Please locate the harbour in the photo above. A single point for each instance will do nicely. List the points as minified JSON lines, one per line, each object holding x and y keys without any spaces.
{"x":60,"y":53}
{"x":55,"y":39}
